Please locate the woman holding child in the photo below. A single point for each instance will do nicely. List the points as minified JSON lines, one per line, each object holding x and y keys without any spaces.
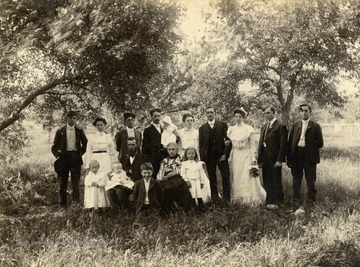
{"x":244,"y":187}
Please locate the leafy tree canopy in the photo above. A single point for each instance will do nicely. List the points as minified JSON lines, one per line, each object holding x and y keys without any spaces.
{"x":82,"y":54}
{"x":284,"y":48}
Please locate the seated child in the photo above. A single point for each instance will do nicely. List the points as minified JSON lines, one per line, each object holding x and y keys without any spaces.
{"x":95,"y":195}
{"x":192,"y":171}
{"x":147,"y":193}
{"x":119,"y":187}
{"x":176,"y":190}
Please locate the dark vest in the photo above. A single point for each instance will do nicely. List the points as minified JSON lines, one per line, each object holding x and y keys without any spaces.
{"x":212,"y":146}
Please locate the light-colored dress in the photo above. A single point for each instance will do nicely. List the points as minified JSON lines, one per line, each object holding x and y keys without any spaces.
{"x":193,"y":171}
{"x":101,"y":148}
{"x":95,"y":197}
{"x":118,"y":179}
{"x":189,"y":138}
{"x":244,"y":188}
{"x":168,"y":136}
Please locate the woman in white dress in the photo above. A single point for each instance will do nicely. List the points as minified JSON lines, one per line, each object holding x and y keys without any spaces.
{"x":189,"y":136}
{"x":100,"y":147}
{"x":244,"y":187}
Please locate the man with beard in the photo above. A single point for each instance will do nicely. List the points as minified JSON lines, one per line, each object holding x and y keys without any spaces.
{"x":122,"y":136}
{"x":132,"y":161}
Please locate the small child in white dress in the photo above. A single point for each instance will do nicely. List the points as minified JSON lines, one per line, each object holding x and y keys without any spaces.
{"x":169,"y":132}
{"x":119,"y":187}
{"x":95,"y":195}
{"x":192,"y":170}
{"x":118,"y":177}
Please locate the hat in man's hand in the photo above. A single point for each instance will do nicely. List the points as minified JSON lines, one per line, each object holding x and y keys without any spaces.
{"x":60,"y":167}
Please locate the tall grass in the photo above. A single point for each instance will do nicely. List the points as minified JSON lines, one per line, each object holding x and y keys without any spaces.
{"x":235,"y":235}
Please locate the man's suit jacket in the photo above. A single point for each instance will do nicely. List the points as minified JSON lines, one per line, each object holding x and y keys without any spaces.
{"x":121,"y":138}
{"x":152,"y":143}
{"x":220,"y":132}
{"x":133,"y":170}
{"x":60,"y":142}
{"x":275,"y":140}
{"x":313,"y":141}
{"x":155,"y":194}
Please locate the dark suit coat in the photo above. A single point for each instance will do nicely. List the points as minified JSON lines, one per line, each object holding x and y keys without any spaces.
{"x":133,"y":170}
{"x":152,"y":143}
{"x":60,"y":142}
{"x":154,"y":194}
{"x":220,"y":131}
{"x":313,"y":141}
{"x":121,"y":138}
{"x":275,"y":140}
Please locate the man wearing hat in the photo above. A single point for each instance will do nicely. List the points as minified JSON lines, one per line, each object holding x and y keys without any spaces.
{"x":122,"y":136}
{"x":68,"y":147}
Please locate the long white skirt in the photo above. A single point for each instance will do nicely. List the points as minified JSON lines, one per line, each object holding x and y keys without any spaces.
{"x":244,"y":188}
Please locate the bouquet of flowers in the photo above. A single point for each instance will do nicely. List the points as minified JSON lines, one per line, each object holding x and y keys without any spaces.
{"x":254,"y":170}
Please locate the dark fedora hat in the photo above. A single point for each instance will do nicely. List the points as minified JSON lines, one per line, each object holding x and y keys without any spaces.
{"x":60,"y":167}
{"x":99,"y":119}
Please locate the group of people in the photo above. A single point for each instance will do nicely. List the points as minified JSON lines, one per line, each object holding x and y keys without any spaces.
{"x":164,"y":168}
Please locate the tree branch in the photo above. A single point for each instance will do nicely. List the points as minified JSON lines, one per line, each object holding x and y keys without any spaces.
{"x":15,"y":115}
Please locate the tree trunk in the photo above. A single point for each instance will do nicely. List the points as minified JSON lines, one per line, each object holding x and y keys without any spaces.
{"x":15,"y":115}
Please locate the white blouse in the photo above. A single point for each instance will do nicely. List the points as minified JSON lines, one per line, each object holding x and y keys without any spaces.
{"x":242,"y":136}
{"x":189,"y":138}
{"x":100,"y":142}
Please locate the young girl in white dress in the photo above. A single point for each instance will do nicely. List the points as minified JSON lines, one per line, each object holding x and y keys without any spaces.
{"x":95,"y":195}
{"x":245,"y":188}
{"x":101,"y":147}
{"x":192,"y":171}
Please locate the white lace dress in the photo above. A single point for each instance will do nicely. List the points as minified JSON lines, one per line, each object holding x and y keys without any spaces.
{"x":244,"y":188}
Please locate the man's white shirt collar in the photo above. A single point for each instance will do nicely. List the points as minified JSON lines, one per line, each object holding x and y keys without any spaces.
{"x":157,"y":126}
{"x":272,"y":122}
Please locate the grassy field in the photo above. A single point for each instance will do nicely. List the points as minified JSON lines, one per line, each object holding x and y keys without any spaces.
{"x":34,"y":233}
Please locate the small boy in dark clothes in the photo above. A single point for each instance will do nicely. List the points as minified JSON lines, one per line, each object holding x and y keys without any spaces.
{"x":147,"y":193}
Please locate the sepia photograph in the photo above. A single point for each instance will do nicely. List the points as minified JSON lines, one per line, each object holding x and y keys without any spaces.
{"x":180,"y":133}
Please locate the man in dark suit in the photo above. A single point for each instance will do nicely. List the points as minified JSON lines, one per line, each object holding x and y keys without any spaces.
{"x":151,"y":145}
{"x":305,"y":140}
{"x":133,"y":160}
{"x":271,"y":155}
{"x":213,"y":152}
{"x":122,"y":136}
{"x":69,"y":145}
